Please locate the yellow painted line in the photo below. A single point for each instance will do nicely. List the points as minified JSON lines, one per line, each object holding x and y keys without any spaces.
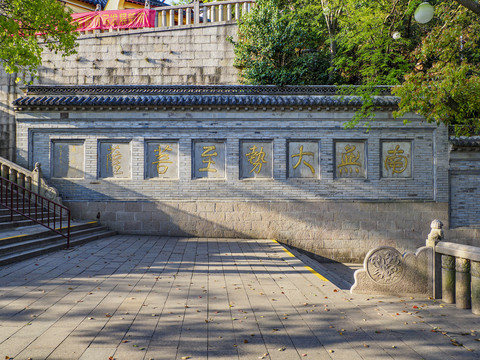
{"x":288,"y":252}
{"x":321,"y":277}
{"x":72,"y":226}
{"x":11,"y":237}
{"x":316,"y":273}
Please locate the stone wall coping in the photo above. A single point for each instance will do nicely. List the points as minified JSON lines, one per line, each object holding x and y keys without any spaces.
{"x":458,"y":250}
{"x":189,"y":90}
{"x":465,"y":143}
{"x":230,"y":102}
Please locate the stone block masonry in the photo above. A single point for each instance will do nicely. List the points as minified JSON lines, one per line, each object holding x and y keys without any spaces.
{"x":177,"y":56}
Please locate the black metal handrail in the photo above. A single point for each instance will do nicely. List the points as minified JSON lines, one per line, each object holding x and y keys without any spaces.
{"x":33,"y":206}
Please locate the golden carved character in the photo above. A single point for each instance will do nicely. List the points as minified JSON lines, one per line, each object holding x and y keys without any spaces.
{"x":114,"y":156}
{"x":300,"y":159}
{"x":350,"y":160}
{"x":256,"y":158}
{"x":208,"y":153}
{"x":162,"y":158}
{"x":396,"y":161}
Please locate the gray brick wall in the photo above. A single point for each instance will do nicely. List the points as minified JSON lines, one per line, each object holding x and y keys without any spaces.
{"x":332,"y":218}
{"x":428,"y":183}
{"x":465,"y":189}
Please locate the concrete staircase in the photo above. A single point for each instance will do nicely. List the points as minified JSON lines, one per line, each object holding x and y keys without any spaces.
{"x":21,"y":238}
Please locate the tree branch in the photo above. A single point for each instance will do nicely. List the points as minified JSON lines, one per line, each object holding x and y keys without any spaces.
{"x":470,"y":5}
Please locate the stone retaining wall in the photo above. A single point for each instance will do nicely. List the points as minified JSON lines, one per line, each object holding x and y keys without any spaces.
{"x":327,"y":230}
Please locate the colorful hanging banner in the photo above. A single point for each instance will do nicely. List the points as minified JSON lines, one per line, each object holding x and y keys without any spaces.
{"x":115,"y":19}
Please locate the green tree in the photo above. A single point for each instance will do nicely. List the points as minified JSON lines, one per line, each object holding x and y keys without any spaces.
{"x":280,"y":42}
{"x":444,"y":84}
{"x":29,"y":27}
{"x":433,"y":67}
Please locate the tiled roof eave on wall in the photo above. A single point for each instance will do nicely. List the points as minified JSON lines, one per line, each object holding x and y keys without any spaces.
{"x":465,"y":143}
{"x":232,"y":102}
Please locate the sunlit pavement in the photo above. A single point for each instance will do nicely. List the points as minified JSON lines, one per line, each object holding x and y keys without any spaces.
{"x":145,"y":297}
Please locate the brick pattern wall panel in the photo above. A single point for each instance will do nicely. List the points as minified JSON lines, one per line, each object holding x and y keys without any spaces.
{"x":465,"y":189}
{"x":35,"y":136}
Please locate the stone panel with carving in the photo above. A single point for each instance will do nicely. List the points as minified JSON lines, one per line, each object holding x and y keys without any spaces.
{"x":256,"y":159}
{"x":161,"y":159}
{"x":303,"y":159}
{"x":114,"y":159}
{"x":209,"y":159}
{"x":396,"y":159}
{"x":350,"y":159}
{"x":385,"y":265}
{"x":67,"y":159}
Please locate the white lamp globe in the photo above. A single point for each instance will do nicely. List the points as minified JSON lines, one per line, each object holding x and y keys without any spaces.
{"x":424,"y":13}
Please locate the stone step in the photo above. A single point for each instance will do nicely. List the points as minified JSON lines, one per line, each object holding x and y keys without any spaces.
{"x":5,"y":211}
{"x":16,"y":223}
{"x":19,"y":243}
{"x":22,"y":247}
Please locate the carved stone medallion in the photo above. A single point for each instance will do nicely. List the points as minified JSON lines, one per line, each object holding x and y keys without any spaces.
{"x":385,"y":265}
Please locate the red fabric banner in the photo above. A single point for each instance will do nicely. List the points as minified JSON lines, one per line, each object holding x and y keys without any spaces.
{"x":115,"y":19}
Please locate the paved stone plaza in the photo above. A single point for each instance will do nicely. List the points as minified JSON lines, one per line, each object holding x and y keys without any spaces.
{"x":140,"y":297}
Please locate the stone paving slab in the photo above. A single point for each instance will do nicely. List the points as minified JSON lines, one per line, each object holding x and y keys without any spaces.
{"x":145,"y":297}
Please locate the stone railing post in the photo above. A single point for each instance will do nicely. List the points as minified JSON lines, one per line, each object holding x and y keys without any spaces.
{"x":475,"y":274}
{"x":448,"y":279}
{"x":4,"y":171}
{"x":37,"y":178}
{"x":172,"y":18}
{"x":434,"y":237}
{"x":180,"y":17}
{"x":221,"y":13}
{"x":12,"y":175}
{"x":462,"y":284}
{"x":196,"y":12}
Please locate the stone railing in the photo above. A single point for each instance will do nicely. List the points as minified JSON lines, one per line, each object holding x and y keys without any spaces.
{"x":460,"y":275}
{"x":195,"y":14}
{"x":202,"y":13}
{"x":31,"y":180}
{"x":440,"y":269}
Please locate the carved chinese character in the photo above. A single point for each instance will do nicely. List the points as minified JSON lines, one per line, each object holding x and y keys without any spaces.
{"x":302,"y":161}
{"x":396,"y":159}
{"x":350,"y":160}
{"x":207,"y":154}
{"x":163,"y":158}
{"x":209,"y":160}
{"x":256,"y":158}
{"x":114,"y":158}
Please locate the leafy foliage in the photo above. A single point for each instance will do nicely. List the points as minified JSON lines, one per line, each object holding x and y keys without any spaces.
{"x":281,"y":43}
{"x":444,"y":85}
{"x":433,"y":67}
{"x":27,"y":27}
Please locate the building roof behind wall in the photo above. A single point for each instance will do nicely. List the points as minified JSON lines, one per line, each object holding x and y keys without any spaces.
{"x":103,"y":3}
